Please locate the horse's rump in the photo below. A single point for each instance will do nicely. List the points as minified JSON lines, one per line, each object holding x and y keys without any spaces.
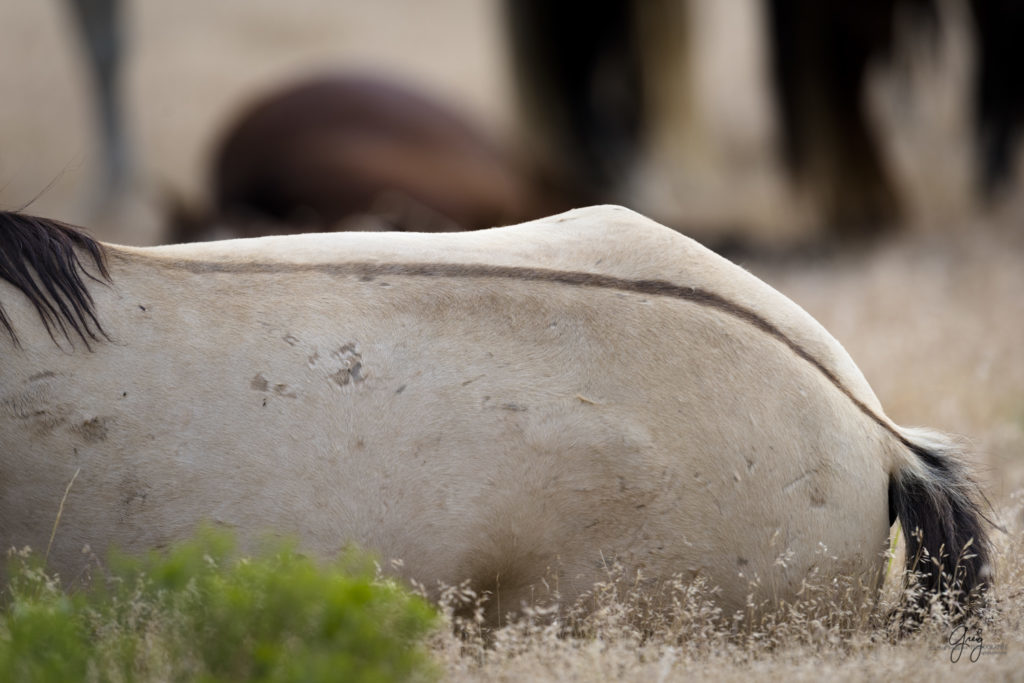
{"x":519,"y":407}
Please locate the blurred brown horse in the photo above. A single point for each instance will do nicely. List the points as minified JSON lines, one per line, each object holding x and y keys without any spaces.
{"x":360,"y":153}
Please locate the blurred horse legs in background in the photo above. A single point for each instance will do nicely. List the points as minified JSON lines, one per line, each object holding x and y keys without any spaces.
{"x":578,"y":74}
{"x":820,"y":54}
{"x":588,"y":87}
{"x":592,"y":87}
{"x":100,"y":25}
{"x":999,"y":96}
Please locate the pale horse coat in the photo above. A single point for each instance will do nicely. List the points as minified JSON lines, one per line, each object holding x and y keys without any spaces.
{"x":522,"y":407}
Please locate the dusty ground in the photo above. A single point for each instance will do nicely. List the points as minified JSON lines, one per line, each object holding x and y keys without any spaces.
{"x":934,"y":317}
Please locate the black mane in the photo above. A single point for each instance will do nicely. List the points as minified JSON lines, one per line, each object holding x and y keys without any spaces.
{"x":38,"y":256}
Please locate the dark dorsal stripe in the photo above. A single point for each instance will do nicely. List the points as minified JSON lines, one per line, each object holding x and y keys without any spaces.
{"x":47,"y":247}
{"x":38,"y":257}
{"x":694,"y":295}
{"x":368,"y":271}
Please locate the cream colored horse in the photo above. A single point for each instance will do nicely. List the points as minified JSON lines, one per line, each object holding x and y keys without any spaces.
{"x":521,"y":407}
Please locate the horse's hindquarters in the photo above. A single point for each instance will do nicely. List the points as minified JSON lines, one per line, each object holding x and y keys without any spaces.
{"x":503,"y":431}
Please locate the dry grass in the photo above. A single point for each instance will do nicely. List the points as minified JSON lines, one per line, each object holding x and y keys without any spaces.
{"x":614,"y":636}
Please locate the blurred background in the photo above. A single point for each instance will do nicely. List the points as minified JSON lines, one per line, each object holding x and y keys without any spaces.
{"x":861,"y":157}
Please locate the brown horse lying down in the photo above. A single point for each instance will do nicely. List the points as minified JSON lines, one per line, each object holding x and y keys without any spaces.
{"x":332,"y":150}
{"x":520,"y":407}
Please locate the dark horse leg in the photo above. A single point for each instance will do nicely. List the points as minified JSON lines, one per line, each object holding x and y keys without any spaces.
{"x":578,"y":77}
{"x":999,"y":94}
{"x":99,"y":22}
{"x":821,"y":50}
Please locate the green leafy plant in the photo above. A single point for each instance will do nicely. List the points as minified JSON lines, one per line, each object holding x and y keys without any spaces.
{"x":203,"y":612}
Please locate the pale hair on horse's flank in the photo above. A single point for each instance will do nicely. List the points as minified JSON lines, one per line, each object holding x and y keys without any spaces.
{"x":518,"y":407}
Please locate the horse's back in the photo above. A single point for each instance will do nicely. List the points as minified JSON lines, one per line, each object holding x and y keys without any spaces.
{"x":493,"y":406}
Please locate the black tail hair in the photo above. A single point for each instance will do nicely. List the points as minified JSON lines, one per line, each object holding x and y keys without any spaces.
{"x":947,"y":544}
{"x":38,"y":256}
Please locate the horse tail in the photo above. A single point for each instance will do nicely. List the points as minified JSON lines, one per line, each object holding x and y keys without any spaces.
{"x":40,"y":258}
{"x":939,"y":508}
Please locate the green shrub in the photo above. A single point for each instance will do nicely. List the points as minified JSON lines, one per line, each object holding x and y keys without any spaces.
{"x":43,"y":635}
{"x":200,"y":612}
